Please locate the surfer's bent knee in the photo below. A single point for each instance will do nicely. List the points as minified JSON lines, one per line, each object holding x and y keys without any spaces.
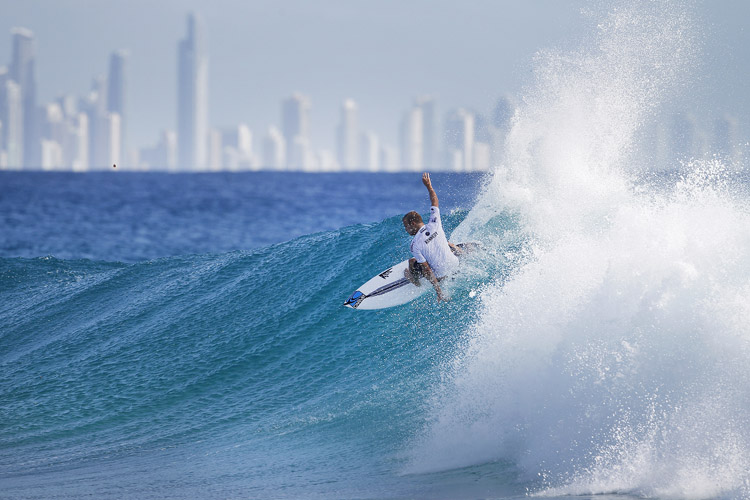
{"x":414,"y":271}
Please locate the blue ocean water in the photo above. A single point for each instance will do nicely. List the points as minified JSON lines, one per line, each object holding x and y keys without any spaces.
{"x":130,"y":217}
{"x":183,"y":336}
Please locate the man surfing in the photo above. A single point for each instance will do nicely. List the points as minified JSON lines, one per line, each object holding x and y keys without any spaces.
{"x":434,"y":256}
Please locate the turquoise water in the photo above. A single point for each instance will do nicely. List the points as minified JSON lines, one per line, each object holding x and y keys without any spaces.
{"x":219,"y":374}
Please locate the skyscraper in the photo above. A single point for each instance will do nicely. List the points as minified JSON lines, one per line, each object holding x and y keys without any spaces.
{"x":3,"y":116}
{"x":54,"y":136}
{"x":163,"y":156}
{"x":502,"y":114}
{"x":347,"y":136}
{"x":192,"y":98}
{"x":429,"y":131}
{"x":79,"y":153}
{"x":412,"y":138}
{"x":99,"y":124}
{"x":11,"y":114}
{"x":295,"y":125}
{"x":116,"y":98}
{"x":111,"y":136}
{"x":22,"y":72}
{"x":370,"y":152}
{"x":459,"y":140}
{"x":274,"y":150}
{"x":215,"y":150}
{"x":14,"y":126}
{"x":238,"y":148}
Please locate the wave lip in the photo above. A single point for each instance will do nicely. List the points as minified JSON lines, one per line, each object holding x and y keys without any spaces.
{"x":611,"y":359}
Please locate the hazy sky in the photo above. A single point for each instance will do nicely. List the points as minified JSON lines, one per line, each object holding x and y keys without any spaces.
{"x":380,"y":53}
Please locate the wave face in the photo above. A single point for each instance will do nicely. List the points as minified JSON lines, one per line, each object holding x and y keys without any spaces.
{"x":613,"y":359}
{"x":218,"y":375}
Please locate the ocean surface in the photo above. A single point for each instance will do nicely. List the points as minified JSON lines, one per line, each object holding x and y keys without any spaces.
{"x":183,"y":336}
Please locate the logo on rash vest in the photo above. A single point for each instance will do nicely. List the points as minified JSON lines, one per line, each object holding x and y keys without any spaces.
{"x":431,"y":237}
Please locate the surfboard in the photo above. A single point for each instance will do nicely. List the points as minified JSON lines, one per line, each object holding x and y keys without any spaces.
{"x":387,"y":289}
{"x":391,"y":288}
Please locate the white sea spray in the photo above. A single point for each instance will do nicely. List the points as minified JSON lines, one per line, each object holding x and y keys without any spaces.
{"x":614,"y":358}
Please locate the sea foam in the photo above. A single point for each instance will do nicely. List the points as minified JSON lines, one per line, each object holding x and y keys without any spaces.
{"x":614,"y":358}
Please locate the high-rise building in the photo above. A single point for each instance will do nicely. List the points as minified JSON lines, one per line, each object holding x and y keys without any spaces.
{"x":459,"y":140}
{"x":116,"y":94}
{"x":68,"y":105}
{"x":481,"y":150}
{"x":163,"y":156}
{"x":3,"y":111}
{"x":429,"y":131}
{"x":274,"y":150}
{"x":348,"y":136}
{"x":482,"y":156}
{"x":242,"y":139}
{"x":326,"y":162}
{"x":11,"y":113}
{"x":215,"y":150}
{"x":53,"y":123}
{"x":79,"y":145}
{"x":52,"y":155}
{"x":295,"y":125}
{"x":3,"y":117}
{"x":502,"y":114}
{"x":100,"y":126}
{"x":412,"y":137}
{"x":370,"y":152}
{"x":110,"y":138}
{"x":192,"y":98}
{"x":22,"y":72}
{"x":238,"y":148}
{"x":303,"y":158}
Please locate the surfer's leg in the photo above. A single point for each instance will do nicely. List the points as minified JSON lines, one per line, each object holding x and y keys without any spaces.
{"x":413,"y":272}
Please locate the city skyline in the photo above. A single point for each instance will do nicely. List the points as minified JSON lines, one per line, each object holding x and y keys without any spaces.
{"x":431,"y":132}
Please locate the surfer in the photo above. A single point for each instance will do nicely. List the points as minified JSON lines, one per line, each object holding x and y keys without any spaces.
{"x":434,"y":256}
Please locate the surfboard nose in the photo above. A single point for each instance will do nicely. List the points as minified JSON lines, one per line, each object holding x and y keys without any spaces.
{"x":355,"y":299}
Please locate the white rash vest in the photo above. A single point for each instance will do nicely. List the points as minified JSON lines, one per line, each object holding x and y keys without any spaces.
{"x":431,"y":245}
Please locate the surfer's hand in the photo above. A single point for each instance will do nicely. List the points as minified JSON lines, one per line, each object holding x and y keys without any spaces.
{"x":443,"y":298}
{"x":426,"y":180}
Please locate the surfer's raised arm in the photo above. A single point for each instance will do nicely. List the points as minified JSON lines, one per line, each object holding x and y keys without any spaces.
{"x":428,"y":184}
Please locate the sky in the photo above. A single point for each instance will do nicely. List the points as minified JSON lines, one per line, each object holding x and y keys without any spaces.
{"x":382,"y":54}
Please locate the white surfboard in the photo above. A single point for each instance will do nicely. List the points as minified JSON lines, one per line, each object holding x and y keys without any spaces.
{"x":387,"y":289}
{"x":391,"y":288}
